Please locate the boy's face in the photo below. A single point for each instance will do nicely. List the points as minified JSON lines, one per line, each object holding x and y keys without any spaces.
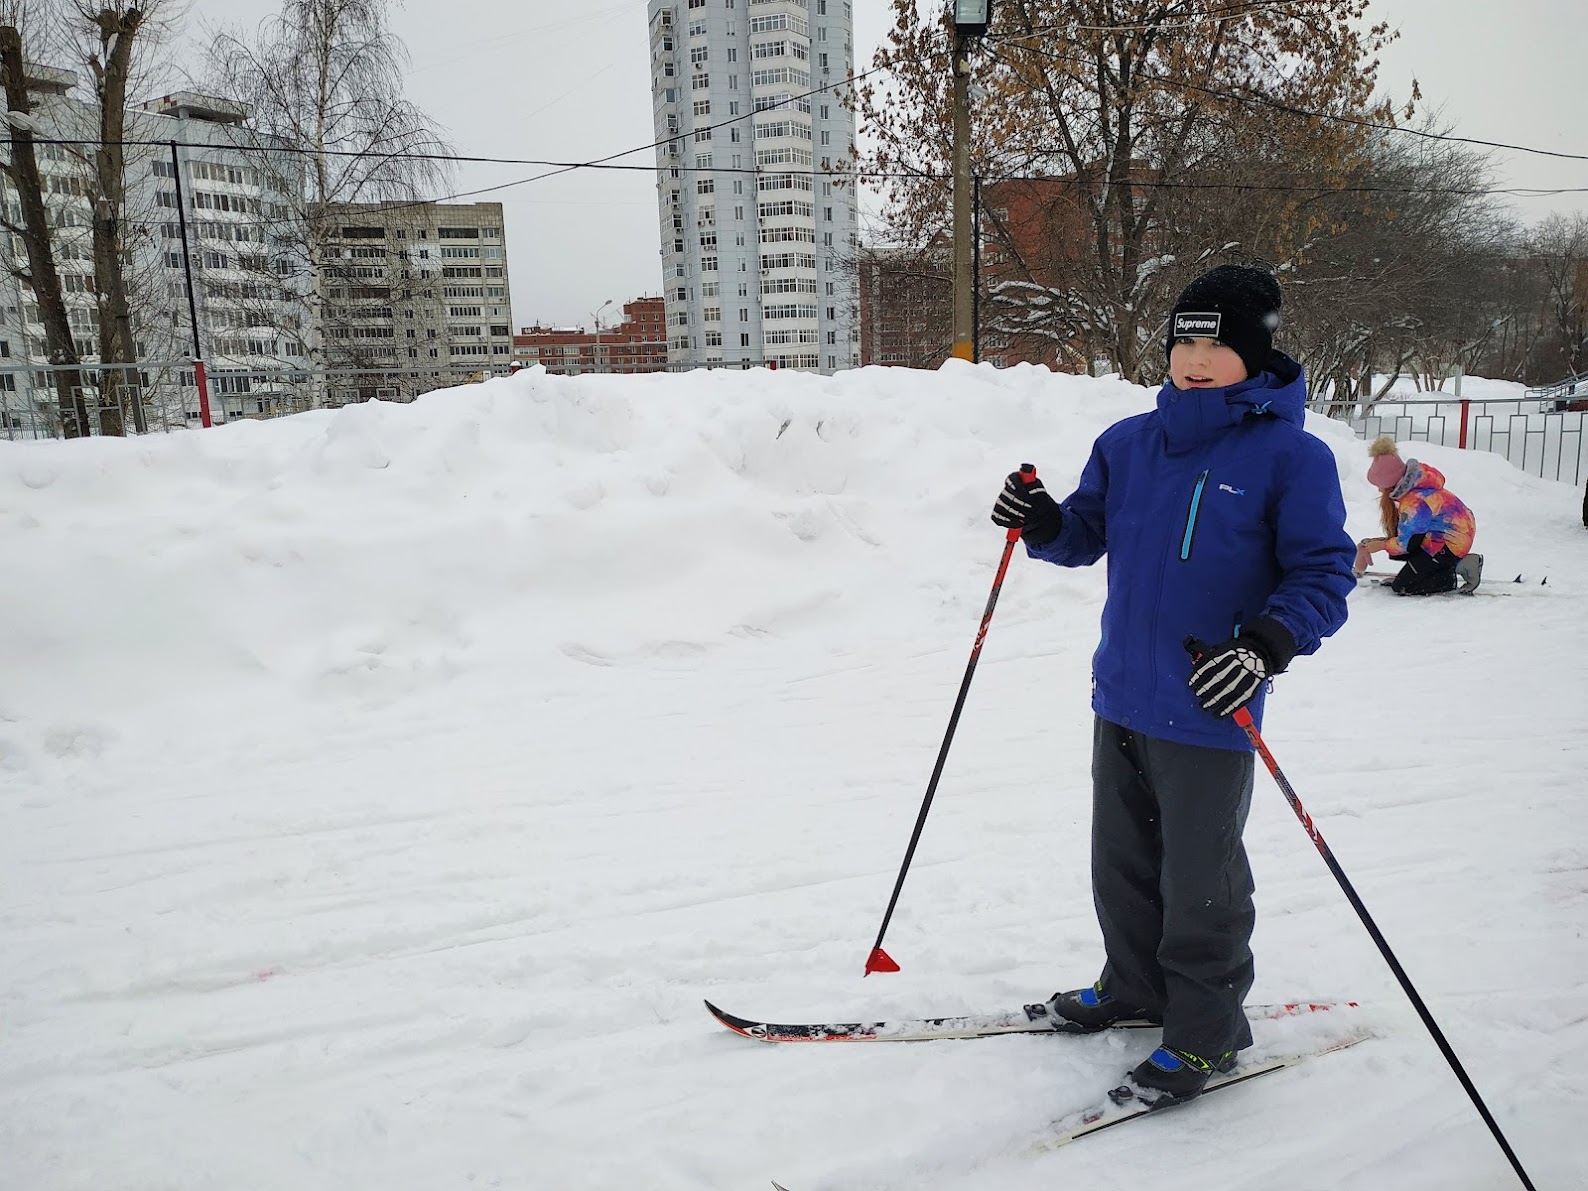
{"x":1204,"y":364}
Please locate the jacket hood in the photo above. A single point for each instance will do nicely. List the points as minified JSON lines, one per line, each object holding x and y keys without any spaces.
{"x":1192,"y":416}
{"x":1418,"y":475}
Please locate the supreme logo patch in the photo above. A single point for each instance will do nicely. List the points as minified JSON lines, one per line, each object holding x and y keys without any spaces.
{"x":1188,"y":325}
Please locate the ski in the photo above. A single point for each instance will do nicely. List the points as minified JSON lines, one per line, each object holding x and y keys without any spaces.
{"x":1123,"y":1105}
{"x":1493,"y":588}
{"x":1032,"y":1019}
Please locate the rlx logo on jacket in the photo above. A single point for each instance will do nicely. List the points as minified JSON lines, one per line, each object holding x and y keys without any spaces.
{"x":1232,"y":491}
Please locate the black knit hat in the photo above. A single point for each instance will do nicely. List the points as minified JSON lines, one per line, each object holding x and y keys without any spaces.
{"x":1235,"y":304}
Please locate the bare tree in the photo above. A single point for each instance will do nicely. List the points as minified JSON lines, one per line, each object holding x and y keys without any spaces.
{"x":31,"y":227}
{"x":108,"y":36}
{"x":1131,"y":105}
{"x":1560,"y":245}
{"x":324,"y":77}
{"x":90,"y":151}
{"x":1392,"y":277}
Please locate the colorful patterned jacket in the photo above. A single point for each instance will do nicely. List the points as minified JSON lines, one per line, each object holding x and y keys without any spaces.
{"x":1426,"y":507}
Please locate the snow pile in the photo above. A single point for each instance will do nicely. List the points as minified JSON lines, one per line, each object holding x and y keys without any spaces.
{"x":382,"y":789}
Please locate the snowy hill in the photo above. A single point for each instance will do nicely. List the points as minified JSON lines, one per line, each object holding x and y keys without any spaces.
{"x":382,"y":790}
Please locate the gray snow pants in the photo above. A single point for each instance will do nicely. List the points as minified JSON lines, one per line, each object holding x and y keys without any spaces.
{"x":1171,"y":884}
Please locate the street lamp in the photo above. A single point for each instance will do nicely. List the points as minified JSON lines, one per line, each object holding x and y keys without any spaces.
{"x":971,"y":18}
{"x":23,"y":121}
{"x":596,"y":318}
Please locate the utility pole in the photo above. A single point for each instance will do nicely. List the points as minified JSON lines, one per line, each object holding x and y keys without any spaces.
{"x":596,"y":318}
{"x":971,"y":18}
{"x":975,"y":272}
{"x":192,"y":306}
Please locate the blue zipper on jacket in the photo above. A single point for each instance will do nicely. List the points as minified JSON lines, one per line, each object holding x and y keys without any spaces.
{"x":1191,"y":517}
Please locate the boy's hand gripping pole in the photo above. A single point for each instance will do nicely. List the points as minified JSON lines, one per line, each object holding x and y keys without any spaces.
{"x":879,"y":960}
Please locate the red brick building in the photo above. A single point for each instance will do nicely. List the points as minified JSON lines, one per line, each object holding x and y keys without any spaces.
{"x":906,"y":307}
{"x":1032,"y":232}
{"x":637,"y":344}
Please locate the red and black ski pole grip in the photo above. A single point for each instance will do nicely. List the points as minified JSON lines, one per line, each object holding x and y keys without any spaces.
{"x":1028,"y":476}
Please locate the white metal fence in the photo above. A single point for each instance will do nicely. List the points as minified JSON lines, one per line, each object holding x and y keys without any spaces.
{"x":1541,"y":434}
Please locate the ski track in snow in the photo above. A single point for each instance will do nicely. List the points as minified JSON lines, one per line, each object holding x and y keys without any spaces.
{"x":381,"y":791}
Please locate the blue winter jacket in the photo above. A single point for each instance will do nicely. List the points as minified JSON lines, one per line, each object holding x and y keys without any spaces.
{"x":1215,"y":508}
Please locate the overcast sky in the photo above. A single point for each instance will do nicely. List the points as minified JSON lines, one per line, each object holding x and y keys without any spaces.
{"x":569,"y":80}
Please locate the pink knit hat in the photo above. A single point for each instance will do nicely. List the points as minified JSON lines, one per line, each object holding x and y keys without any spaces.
{"x":1386,"y":471}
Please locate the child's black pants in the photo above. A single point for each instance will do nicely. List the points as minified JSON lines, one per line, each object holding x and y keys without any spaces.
{"x":1171,"y":884}
{"x":1426,"y":574}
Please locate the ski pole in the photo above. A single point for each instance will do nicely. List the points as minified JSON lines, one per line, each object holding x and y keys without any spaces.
{"x":1244,"y":719}
{"x":879,"y":960}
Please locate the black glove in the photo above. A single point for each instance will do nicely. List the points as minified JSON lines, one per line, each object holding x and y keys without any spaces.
{"x":1024,"y":504}
{"x":1227,"y":676}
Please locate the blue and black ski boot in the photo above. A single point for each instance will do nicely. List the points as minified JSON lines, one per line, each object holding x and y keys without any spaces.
{"x":1086,"y":1010}
{"x":1170,"y":1076}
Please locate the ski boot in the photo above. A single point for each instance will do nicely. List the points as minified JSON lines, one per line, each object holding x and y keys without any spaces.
{"x":1469,"y":572}
{"x":1083,"y":1010}
{"x":1168,"y":1076}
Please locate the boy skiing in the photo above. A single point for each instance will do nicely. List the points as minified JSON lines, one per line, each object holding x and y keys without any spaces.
{"x":1223,"y":521}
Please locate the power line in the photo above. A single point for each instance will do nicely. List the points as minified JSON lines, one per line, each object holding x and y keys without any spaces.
{"x":785,"y":103}
{"x":1254,"y":97}
{"x":561,"y":167}
{"x":552,"y":168}
{"x":1215,"y":15}
{"x":862,"y":176}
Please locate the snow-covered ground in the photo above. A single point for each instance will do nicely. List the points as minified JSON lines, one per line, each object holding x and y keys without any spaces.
{"x":381,"y":792}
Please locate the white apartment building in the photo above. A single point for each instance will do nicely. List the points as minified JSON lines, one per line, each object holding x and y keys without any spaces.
{"x":253,"y":320}
{"x":757,"y":237}
{"x":406,"y":296}
{"x":414,"y":297}
{"x":240,"y":201}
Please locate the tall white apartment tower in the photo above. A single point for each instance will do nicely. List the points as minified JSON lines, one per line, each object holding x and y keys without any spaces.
{"x":757,"y":236}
